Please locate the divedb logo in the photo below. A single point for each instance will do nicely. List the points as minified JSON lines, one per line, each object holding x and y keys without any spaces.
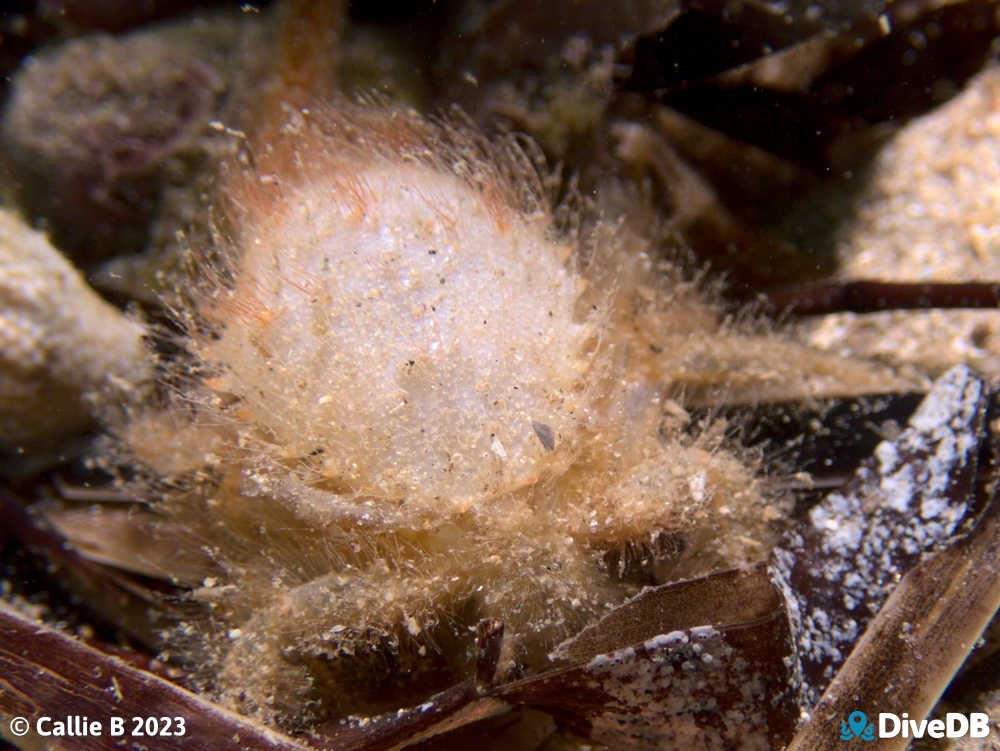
{"x":890,"y":725}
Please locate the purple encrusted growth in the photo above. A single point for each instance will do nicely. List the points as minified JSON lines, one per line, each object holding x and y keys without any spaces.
{"x":906,"y":501}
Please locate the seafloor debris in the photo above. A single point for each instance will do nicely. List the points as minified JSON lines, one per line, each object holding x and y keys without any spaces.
{"x":65,"y":354}
{"x":925,"y":210}
{"x":742,"y":105}
{"x":97,"y":128}
{"x":734,"y":659}
{"x":911,"y":499}
{"x":274,"y":510}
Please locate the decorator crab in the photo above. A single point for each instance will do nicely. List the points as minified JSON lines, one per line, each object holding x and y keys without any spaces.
{"x":428,"y":462}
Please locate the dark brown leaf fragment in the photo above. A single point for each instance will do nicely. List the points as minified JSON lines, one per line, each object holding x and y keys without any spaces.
{"x":910,"y":499}
{"x":918,"y":640}
{"x":713,"y":688}
{"x":47,"y":672}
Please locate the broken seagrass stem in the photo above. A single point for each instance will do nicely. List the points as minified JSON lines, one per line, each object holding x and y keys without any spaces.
{"x":869,"y":296}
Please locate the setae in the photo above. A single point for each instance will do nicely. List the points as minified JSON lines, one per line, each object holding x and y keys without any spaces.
{"x":415,"y":405}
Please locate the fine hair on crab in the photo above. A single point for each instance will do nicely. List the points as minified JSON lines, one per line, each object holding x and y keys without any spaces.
{"x":415,"y":404}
